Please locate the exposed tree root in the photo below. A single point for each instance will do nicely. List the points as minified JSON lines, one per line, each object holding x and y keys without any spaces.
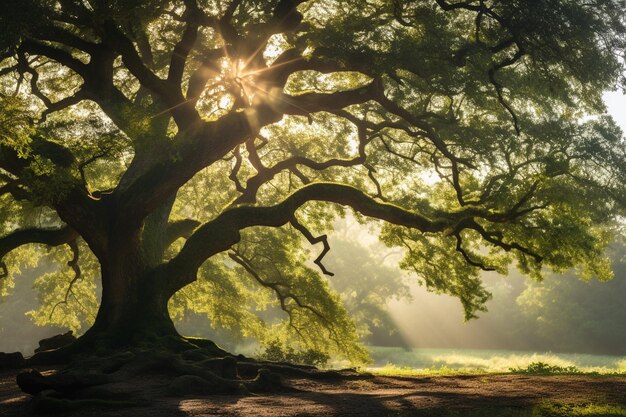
{"x":171,"y":368}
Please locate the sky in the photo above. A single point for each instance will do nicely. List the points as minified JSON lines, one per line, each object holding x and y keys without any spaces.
{"x":616,"y":104}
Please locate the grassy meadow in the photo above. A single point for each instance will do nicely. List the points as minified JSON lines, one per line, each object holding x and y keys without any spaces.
{"x":399,"y":361}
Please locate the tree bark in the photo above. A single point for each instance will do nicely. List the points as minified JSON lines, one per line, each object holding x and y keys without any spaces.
{"x":133,"y":309}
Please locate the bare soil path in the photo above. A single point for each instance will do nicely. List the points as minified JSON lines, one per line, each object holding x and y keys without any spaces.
{"x":367,"y":396}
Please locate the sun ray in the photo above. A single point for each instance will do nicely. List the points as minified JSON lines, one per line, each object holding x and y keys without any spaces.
{"x":282,"y":98}
{"x":273,"y":67}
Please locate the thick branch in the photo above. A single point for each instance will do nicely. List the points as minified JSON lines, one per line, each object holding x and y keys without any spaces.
{"x":208,"y":68}
{"x":254,"y":183}
{"x":203,"y":146}
{"x":223,"y":232}
{"x":50,"y":237}
{"x":59,"y":35}
{"x":62,"y":57}
{"x":65,"y":102}
{"x":183,"y":47}
{"x":184,"y":115}
{"x":305,"y":104}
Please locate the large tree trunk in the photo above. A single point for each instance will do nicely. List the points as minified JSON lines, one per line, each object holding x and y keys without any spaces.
{"x":133,"y":309}
{"x":132,"y":336}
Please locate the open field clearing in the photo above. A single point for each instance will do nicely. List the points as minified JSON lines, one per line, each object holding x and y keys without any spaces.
{"x":394,"y":360}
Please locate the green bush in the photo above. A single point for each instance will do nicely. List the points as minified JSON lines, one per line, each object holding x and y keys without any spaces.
{"x":276,"y":352}
{"x":542,"y":368}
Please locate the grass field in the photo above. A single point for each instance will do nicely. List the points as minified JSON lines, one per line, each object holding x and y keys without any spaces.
{"x":389,"y":361}
{"x":546,"y":409}
{"x":392,"y":360}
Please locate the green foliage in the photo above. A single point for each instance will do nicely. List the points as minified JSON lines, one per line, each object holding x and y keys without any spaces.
{"x":65,"y":300}
{"x":488,"y":360}
{"x":439,"y":267}
{"x":295,"y":303}
{"x":486,"y":123}
{"x":218,"y":296}
{"x":16,"y":125}
{"x":275,"y":351}
{"x":395,"y":370}
{"x":541,"y":368}
{"x":17,"y":330}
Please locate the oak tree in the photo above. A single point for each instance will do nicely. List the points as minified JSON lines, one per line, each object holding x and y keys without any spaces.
{"x":191,"y":149}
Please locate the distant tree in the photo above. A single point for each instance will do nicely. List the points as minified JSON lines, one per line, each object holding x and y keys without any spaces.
{"x":562,"y":313}
{"x":367,"y":279}
{"x":565,"y":314}
{"x":188,"y":148}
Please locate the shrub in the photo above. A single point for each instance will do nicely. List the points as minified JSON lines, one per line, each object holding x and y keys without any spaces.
{"x":276,"y":352}
{"x":542,"y":368}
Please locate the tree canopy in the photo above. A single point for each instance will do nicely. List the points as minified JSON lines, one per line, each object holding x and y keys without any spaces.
{"x":193,"y":152}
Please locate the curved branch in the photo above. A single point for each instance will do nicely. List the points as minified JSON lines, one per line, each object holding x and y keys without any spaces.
{"x":223,"y":232}
{"x":50,"y":237}
{"x":266,"y":174}
{"x":254,"y":183}
{"x":499,"y":88}
{"x":208,"y":68}
{"x":235,"y":170}
{"x":184,"y":46}
{"x":307,"y":103}
{"x":495,"y":238}
{"x":55,"y":33}
{"x":12,"y":187}
{"x":64,"y":103}
{"x":73,"y":263}
{"x":184,"y":114}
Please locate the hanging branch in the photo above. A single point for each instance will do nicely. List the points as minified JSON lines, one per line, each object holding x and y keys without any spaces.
{"x":282,"y":291}
{"x":467,"y":257}
{"x":73,"y":263}
{"x":235,"y":170}
{"x":277,"y":287}
{"x":314,"y":240}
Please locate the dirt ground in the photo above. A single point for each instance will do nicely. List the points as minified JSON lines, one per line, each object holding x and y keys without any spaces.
{"x":366,"y":396}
